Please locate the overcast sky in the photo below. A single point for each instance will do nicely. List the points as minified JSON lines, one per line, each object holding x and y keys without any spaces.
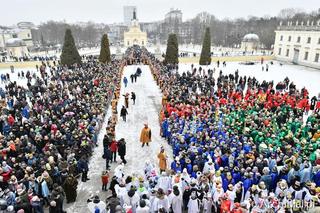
{"x":111,"y":11}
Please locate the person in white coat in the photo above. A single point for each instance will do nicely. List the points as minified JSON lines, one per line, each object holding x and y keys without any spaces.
{"x":120,"y":189}
{"x":96,"y":203}
{"x":161,"y":201}
{"x":131,"y":199}
{"x":143,"y":208}
{"x":194,"y":203}
{"x":208,"y":167}
{"x":164,"y":182}
{"x":176,"y":203}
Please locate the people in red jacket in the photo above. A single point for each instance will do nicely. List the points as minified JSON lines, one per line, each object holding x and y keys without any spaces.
{"x":10,"y":120}
{"x":114,"y":148}
{"x":225,"y":204}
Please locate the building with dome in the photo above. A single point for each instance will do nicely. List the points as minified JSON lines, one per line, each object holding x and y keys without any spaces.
{"x":16,"y":47}
{"x":250,"y":42}
{"x":135,"y":36}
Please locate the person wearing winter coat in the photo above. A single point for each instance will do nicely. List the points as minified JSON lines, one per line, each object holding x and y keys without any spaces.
{"x":143,"y":208}
{"x":70,"y":188}
{"x":162,"y":160}
{"x":105,"y":180}
{"x":122,"y":150}
{"x":194,"y":203}
{"x":126,"y":100}
{"x":124,"y":113}
{"x":112,"y":202}
{"x":176,"y":202}
{"x":164,"y":182}
{"x":145,"y":135}
{"x":161,"y":201}
{"x":36,"y":205}
{"x":84,"y":168}
{"x":95,"y":204}
{"x":131,"y":199}
{"x":125,"y":81}
{"x":133,"y":97}
{"x":114,"y":149}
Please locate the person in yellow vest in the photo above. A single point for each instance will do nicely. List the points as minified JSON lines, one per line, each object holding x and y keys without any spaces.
{"x":162,"y":160}
{"x":145,"y":136}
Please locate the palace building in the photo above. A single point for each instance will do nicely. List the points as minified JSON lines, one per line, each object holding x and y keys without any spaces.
{"x":299,"y":43}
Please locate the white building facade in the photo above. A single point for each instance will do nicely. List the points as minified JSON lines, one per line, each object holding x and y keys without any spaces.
{"x":299,"y":43}
{"x":135,"y":36}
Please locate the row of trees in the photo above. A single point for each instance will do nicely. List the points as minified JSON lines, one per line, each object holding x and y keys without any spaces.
{"x":70,"y":54}
{"x":85,"y":34}
{"x":228,"y":32}
{"x":172,"y":52}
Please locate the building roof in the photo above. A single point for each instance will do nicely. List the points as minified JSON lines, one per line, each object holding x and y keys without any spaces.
{"x":251,"y":37}
{"x":25,"y":25}
{"x":15,"y":42}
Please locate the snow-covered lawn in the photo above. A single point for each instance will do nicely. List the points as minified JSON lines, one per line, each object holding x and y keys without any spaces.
{"x":300,"y":75}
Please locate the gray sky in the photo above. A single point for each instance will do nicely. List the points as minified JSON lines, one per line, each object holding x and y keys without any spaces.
{"x":111,"y":11}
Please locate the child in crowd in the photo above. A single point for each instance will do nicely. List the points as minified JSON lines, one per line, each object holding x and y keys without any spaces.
{"x":105,"y":180}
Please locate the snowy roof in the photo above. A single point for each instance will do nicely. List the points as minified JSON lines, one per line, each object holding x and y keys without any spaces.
{"x":251,"y":37}
{"x":15,"y":42}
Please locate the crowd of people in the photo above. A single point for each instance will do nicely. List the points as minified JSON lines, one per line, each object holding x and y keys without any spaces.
{"x":242,"y":141}
{"x":239,"y":145}
{"x":49,"y":128}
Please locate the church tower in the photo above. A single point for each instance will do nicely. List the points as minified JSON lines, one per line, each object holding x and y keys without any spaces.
{"x":135,"y":36}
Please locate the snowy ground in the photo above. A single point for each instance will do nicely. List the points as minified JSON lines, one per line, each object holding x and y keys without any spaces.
{"x":146,"y":109}
{"x":300,"y":75}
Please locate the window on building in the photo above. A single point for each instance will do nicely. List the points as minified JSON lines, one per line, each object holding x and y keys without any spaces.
{"x":28,"y":35}
{"x":316,"y":58}
{"x":142,"y":42}
{"x":14,"y":36}
{"x":287,"y":53}
{"x":281,"y":38}
{"x":319,"y":41}
{"x":279,"y":52}
{"x":309,"y":40}
{"x":306,"y":54}
{"x":128,"y":43}
{"x":298,"y":39}
{"x":289,"y":38}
